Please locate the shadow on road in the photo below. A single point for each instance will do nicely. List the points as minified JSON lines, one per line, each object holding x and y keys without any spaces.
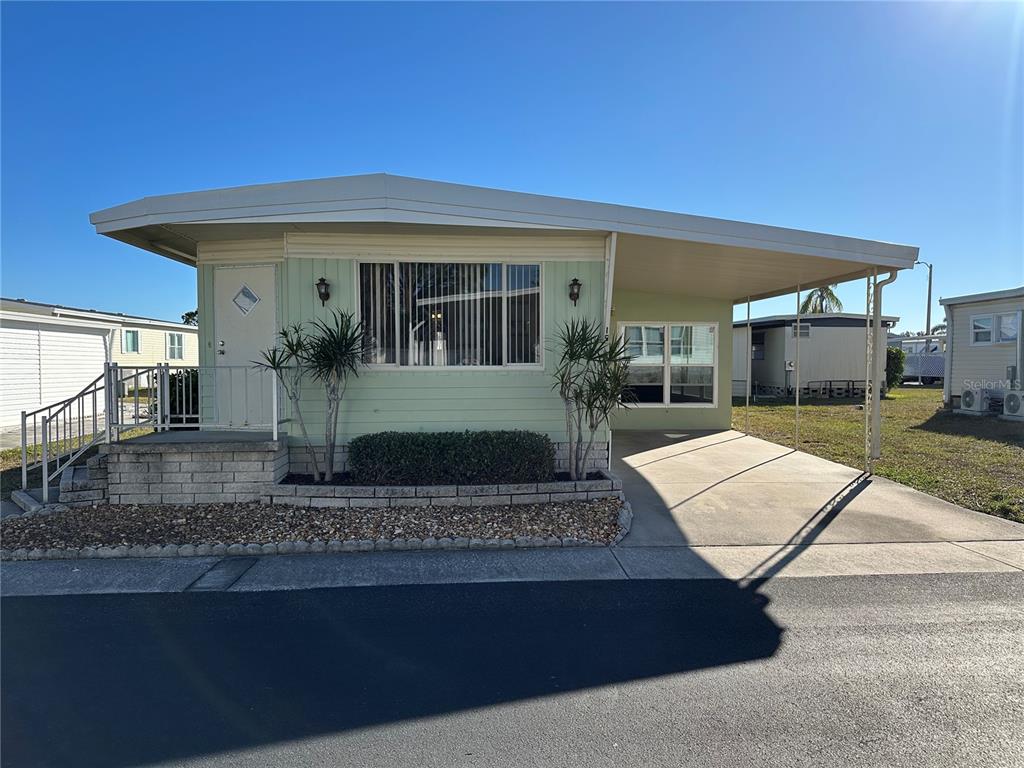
{"x":127,"y":679}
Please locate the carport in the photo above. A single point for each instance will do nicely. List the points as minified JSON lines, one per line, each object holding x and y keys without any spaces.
{"x":675,"y":260}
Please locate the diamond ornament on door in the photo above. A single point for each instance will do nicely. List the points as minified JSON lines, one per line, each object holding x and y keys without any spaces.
{"x":245,"y":299}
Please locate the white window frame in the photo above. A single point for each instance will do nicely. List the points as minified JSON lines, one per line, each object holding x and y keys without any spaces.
{"x":997,"y":326}
{"x":124,"y":341}
{"x":396,"y":366}
{"x":168,"y":345}
{"x":667,"y":362}
{"x":991,"y":330}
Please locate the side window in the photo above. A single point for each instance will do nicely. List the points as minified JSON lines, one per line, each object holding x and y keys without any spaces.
{"x":129,"y":341}
{"x":175,"y":346}
{"x":1007,"y":327}
{"x":981,"y":329}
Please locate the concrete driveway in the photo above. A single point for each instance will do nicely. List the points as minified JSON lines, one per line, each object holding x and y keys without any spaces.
{"x":729,"y":489}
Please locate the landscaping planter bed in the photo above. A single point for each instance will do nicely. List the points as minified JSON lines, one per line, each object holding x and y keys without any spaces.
{"x":251,"y":528}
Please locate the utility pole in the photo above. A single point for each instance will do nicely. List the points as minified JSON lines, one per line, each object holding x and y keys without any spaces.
{"x":928,"y":309}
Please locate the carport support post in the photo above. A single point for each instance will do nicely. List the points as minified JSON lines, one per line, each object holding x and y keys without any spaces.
{"x":796,"y":372}
{"x":879,"y":366}
{"x":750,"y":352}
{"x":868,"y":368}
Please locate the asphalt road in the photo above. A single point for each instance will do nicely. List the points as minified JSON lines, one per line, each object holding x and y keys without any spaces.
{"x":873,"y":671}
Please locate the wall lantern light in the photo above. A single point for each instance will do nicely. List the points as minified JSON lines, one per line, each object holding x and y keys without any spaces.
{"x":323,"y":290}
{"x":574,"y":290}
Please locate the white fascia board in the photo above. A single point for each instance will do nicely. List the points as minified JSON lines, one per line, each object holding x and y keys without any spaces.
{"x":14,"y":309}
{"x":1009,"y":293}
{"x":7,"y":316}
{"x":398,"y":199}
{"x":810,"y":318}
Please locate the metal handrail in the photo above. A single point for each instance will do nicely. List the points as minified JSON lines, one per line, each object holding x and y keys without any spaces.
{"x":84,"y":391}
{"x":163,"y":407}
{"x":70,"y":437}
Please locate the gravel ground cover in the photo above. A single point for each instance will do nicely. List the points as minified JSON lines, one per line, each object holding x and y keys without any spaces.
{"x":254,"y":523}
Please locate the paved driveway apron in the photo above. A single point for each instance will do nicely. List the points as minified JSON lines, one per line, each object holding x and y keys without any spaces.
{"x":728,"y":489}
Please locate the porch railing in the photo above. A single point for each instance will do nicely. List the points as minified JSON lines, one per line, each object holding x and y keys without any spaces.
{"x":62,"y":432}
{"x":159,"y":397}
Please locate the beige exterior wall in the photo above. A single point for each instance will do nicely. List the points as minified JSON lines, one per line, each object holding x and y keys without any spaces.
{"x":153,"y":346}
{"x":638,"y":307}
{"x":980,"y":365}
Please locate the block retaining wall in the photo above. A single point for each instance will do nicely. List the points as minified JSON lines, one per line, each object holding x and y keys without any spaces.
{"x":203,"y":473}
{"x":370,"y":496}
{"x":193,"y":473}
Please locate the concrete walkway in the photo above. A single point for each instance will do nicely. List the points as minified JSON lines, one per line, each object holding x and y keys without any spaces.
{"x":728,"y":489}
{"x":288,"y":572}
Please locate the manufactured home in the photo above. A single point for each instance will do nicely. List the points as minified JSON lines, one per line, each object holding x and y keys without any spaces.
{"x":50,"y":352}
{"x":984,"y":355}
{"x":830,"y":348}
{"x":924,"y":357}
{"x":461,"y":292}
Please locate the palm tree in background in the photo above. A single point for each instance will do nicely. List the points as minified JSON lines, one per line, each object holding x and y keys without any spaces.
{"x":940,"y":328}
{"x":821,"y":301}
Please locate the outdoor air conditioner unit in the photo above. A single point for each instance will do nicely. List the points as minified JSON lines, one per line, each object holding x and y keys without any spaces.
{"x":974,"y":400}
{"x":1013,"y":404}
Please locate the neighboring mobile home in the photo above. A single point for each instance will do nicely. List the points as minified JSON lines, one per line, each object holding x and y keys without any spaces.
{"x":462,"y":290}
{"x":983,"y":351}
{"x":50,"y":352}
{"x":832,"y":354}
{"x":924,"y":357}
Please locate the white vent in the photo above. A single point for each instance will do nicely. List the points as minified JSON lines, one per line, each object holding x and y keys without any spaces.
{"x":1013,"y":404}
{"x":974,"y":401}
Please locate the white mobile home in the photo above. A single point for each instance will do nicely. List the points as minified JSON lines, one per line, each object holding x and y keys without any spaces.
{"x":50,"y":352}
{"x":983,"y":350}
{"x":831,"y":349}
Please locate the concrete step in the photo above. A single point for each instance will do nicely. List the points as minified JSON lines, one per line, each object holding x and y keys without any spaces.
{"x":32,"y":499}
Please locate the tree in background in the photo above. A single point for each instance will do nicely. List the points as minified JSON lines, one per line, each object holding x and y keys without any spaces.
{"x":191,"y":317}
{"x":895,"y":359}
{"x":939,"y":328}
{"x":821,"y":301}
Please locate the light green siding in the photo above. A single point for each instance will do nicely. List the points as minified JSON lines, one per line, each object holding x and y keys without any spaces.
{"x":204,"y":294}
{"x":430,"y":400}
{"x":634,"y":306}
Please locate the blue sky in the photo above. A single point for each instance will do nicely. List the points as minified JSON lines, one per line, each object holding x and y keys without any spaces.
{"x":899,"y":122}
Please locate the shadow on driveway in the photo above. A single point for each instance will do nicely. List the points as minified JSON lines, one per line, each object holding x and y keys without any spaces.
{"x":121,"y":680}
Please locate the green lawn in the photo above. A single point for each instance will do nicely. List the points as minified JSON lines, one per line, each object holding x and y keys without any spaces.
{"x":974,"y":462}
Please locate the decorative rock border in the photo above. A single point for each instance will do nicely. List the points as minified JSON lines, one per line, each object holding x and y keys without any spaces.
{"x":315,"y":546}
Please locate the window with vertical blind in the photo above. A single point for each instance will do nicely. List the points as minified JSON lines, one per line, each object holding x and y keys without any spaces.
{"x":672,"y":363}
{"x":426,"y":314}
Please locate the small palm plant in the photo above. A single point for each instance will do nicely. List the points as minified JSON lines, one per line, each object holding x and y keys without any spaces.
{"x":287,"y":360}
{"x":606,"y":388}
{"x":821,"y":301}
{"x":592,"y":380}
{"x":333,"y":352}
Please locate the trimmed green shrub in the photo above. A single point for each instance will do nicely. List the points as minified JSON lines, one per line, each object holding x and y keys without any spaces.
{"x":451,"y":458}
{"x":895,"y":359}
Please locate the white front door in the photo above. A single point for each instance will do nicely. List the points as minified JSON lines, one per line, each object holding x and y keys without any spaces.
{"x":245,"y":324}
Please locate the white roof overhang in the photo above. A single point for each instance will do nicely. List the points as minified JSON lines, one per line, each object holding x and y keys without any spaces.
{"x":657,"y":250}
